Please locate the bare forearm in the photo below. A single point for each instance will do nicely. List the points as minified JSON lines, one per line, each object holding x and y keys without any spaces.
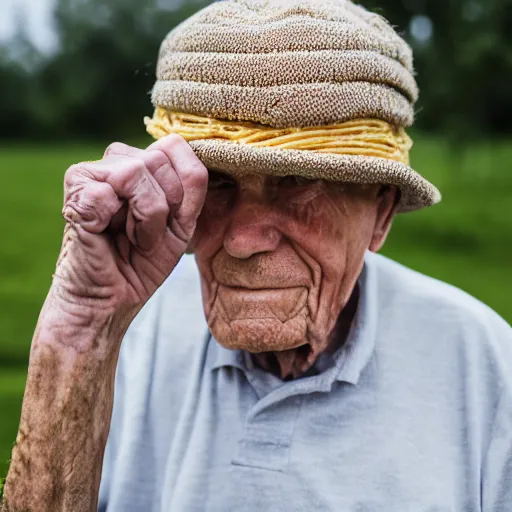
{"x":56,"y":462}
{"x":57,"y":459}
{"x":129,"y":218}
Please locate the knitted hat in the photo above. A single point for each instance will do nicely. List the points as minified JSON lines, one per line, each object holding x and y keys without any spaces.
{"x":320,"y":89}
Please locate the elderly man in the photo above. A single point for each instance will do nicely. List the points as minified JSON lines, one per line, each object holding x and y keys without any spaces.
{"x":331,"y":378}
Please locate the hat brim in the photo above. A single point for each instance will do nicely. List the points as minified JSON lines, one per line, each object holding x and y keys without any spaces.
{"x":237,"y":159}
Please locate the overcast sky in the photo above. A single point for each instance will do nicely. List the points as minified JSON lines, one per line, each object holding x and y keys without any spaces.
{"x":36,"y":16}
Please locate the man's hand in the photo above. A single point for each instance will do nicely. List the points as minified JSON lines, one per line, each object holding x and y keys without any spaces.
{"x":130,"y":217}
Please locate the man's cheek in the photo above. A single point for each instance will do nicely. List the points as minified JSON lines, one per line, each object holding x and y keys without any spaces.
{"x":315,"y":219}
{"x":209,"y":233}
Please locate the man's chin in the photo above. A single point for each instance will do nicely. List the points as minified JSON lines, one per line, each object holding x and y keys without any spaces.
{"x":261,"y":334}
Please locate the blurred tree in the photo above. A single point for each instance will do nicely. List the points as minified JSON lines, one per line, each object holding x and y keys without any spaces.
{"x":98,"y":84}
{"x":464,"y":67}
{"x":17,"y":63}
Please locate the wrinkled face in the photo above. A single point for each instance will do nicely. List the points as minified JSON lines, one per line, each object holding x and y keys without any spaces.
{"x":279,"y":257}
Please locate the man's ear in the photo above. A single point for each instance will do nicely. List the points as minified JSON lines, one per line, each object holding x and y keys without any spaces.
{"x":388,"y":200}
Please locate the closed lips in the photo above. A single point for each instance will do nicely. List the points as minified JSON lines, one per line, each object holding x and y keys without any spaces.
{"x":282,"y":268}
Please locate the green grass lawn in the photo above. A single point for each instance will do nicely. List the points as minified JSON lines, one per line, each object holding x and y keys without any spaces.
{"x":466,"y":240}
{"x":12,"y":383}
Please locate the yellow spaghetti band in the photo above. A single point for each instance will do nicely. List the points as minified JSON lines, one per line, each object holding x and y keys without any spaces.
{"x":368,"y":137}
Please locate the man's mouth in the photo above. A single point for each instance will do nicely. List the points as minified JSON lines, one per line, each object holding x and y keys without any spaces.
{"x":270,"y":303}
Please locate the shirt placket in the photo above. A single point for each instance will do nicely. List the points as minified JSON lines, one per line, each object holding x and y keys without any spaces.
{"x":267,"y":437}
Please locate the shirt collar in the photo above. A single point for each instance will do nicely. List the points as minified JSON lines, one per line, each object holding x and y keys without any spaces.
{"x":349,"y":360}
{"x":221,"y":356}
{"x":353,"y":357}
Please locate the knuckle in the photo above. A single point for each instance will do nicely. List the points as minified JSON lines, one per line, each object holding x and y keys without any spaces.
{"x":71,"y":173}
{"x":158,"y":158}
{"x":79,"y":211}
{"x":176,"y":193}
{"x":93,"y":200}
{"x":132,"y":168}
{"x":159,"y":196}
{"x":175,"y":139}
{"x":135,"y":165}
{"x":198,"y":172}
{"x":88,"y":203}
{"x":159,"y":207}
{"x":96,"y":195}
{"x":114,"y":148}
{"x":75,"y":178}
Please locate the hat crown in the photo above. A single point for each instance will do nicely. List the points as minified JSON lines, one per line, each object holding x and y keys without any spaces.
{"x":330,"y":15}
{"x":286,"y":63}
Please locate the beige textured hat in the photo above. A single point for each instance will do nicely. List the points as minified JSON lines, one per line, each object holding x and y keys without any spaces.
{"x":320,"y":89}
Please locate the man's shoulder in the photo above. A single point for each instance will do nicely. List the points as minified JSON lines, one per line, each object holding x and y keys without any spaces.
{"x":425,"y":304}
{"x":412,"y":288}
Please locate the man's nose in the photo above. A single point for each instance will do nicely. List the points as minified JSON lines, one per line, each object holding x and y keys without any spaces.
{"x":252,"y":229}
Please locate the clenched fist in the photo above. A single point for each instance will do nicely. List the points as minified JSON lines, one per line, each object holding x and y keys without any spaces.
{"x":130,"y":217}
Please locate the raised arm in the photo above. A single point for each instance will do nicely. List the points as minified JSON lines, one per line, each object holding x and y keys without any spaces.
{"x":129,"y":218}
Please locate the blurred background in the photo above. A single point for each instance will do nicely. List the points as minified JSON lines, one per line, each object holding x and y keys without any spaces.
{"x":76,"y":75}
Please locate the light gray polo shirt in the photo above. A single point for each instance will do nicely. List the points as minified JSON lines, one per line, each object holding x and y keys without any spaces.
{"x":414,"y":413}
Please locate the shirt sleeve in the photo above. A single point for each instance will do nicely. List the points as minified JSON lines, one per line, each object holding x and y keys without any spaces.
{"x":497,"y":470}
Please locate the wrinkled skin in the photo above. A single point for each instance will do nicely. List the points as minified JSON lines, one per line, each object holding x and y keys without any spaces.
{"x":130,"y":217}
{"x":279,"y":259}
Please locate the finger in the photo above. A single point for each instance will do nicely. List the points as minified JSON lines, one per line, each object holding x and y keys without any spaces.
{"x":88,"y":202}
{"x":159,"y":165}
{"x":131,"y":181}
{"x":118,"y":221}
{"x":192,"y":174}
{"x":148,"y":210}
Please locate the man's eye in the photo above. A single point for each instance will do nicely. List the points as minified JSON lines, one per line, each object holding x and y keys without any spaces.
{"x":219,"y":180}
{"x":295,"y":181}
